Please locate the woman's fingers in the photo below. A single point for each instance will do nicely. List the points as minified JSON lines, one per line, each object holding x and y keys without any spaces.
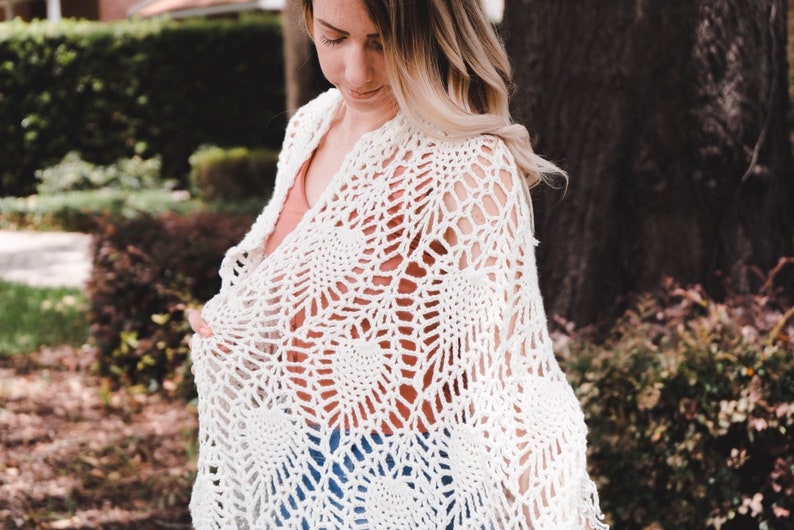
{"x":198,"y":324}
{"x":201,"y":327}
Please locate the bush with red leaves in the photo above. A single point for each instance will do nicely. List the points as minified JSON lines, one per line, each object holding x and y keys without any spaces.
{"x":690,"y":403}
{"x":146,"y":273}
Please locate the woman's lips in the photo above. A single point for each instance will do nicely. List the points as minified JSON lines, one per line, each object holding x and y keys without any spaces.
{"x":363,"y":95}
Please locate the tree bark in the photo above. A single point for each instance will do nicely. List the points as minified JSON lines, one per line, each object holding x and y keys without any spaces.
{"x":297,"y":58}
{"x":670,"y":118}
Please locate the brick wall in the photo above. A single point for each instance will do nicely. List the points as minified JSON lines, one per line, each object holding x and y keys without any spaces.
{"x":86,"y":9}
{"x":25,"y":10}
{"x":114,"y":9}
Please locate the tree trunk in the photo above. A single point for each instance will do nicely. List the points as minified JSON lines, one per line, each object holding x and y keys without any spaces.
{"x":297,"y":57}
{"x":670,"y":118}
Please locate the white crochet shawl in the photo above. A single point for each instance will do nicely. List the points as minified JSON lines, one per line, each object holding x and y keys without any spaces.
{"x":494,"y":437}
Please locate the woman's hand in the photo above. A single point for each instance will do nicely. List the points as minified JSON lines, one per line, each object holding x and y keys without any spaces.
{"x":198,"y":324}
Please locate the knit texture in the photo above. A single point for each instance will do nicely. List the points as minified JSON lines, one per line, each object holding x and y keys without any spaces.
{"x":360,"y":380}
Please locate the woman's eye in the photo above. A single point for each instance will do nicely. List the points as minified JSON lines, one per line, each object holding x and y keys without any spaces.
{"x":377,"y":46}
{"x":330,"y":42}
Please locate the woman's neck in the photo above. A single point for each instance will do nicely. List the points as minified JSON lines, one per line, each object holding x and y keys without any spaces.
{"x":350,"y":125}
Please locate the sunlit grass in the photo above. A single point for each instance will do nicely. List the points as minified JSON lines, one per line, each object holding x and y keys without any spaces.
{"x":31,"y":317}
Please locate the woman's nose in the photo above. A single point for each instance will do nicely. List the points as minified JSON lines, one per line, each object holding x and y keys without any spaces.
{"x":358,"y":67}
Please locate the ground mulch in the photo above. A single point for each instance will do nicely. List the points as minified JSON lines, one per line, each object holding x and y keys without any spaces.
{"x":77,"y":453}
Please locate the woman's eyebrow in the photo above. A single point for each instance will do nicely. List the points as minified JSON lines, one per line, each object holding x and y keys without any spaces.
{"x":343,"y":32}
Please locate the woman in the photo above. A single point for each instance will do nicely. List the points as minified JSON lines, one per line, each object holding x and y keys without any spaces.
{"x":378,"y":356}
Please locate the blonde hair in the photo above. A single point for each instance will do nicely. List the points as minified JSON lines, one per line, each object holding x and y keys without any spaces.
{"x":450,"y":73}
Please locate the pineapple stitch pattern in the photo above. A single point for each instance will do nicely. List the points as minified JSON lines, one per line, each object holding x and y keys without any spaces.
{"x":389,"y":366}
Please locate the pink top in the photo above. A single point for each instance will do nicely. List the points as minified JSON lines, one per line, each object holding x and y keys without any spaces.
{"x":295,"y":206}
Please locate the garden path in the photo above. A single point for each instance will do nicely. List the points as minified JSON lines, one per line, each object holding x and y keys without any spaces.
{"x":45,"y":259}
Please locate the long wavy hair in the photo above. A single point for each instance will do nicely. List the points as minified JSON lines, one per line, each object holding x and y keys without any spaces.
{"x":450,"y":73}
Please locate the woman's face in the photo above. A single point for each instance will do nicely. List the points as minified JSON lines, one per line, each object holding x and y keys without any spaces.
{"x":351,"y":55}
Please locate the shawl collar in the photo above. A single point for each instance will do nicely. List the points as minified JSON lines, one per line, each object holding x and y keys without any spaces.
{"x":304,"y":133}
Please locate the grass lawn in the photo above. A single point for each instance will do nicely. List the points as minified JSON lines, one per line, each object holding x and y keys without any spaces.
{"x":31,"y":317}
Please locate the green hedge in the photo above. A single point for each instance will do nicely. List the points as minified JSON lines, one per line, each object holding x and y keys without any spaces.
{"x":234,"y":174}
{"x":146,"y":88}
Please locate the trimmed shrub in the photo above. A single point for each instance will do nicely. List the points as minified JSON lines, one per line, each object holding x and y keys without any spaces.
{"x":135,"y":87}
{"x":234,"y":174}
{"x":691,"y":406}
{"x":74,"y":174}
{"x":74,"y":194}
{"x":146,"y":273}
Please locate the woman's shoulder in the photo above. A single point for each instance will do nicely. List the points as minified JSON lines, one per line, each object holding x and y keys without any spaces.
{"x":482,"y":157}
{"x":478,"y":148}
{"x":309,"y":115}
{"x":474,"y":169}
